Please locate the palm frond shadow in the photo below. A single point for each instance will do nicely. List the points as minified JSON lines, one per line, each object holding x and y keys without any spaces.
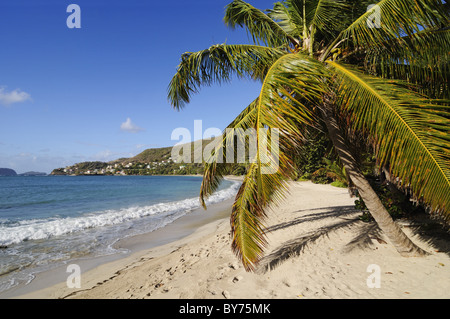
{"x":294,"y":247}
{"x":338,"y":211}
{"x":433,"y":233}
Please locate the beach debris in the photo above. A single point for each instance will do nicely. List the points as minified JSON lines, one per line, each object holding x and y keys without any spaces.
{"x":219,"y":276}
{"x":441,"y":264}
{"x":212,"y":292}
{"x":159,"y":284}
{"x":3,"y":247}
{"x":237,"y":278}
{"x":234,"y":265}
{"x":226,"y":294}
{"x":171,"y":271}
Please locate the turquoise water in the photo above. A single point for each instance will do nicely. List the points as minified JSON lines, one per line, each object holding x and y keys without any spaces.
{"x":53,"y":219}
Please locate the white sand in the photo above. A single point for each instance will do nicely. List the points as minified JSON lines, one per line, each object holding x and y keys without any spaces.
{"x":318,"y":248}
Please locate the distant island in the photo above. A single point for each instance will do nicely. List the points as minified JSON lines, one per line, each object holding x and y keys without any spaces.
{"x":11,"y":172}
{"x":32,"y":173}
{"x":7,"y":172}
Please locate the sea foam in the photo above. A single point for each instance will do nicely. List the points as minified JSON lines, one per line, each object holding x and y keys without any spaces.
{"x":38,"y":229}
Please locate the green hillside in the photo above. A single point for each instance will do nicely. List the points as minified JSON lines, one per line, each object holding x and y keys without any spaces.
{"x":153,"y":161}
{"x":151,"y":155}
{"x":164,"y":153}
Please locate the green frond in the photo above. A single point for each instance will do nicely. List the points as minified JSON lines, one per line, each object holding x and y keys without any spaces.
{"x":217,"y":65}
{"x":215,"y":165}
{"x":212,"y":176}
{"x":292,"y":84}
{"x":293,"y":15}
{"x":247,"y":228}
{"x":327,"y":14}
{"x":410,"y":137}
{"x":397,"y":19}
{"x":259,"y":26}
{"x":287,"y":18}
{"x":291,"y":76}
{"x":421,"y":59}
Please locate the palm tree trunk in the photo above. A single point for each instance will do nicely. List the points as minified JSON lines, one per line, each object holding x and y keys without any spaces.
{"x":384,"y":220}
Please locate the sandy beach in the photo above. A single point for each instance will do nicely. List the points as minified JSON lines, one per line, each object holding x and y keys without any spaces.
{"x":318,"y":248}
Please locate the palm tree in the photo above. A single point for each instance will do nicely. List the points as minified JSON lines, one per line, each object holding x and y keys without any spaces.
{"x":321,"y":64}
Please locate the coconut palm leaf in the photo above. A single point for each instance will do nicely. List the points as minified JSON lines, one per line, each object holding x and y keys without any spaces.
{"x":215,"y":165}
{"x":291,"y":21}
{"x":259,"y":26}
{"x":246,"y":221}
{"x":278,"y":106}
{"x":410,"y":137}
{"x":397,"y":19}
{"x":218,"y":64}
{"x":421,"y":59}
{"x":326,"y":15}
{"x":290,"y":77}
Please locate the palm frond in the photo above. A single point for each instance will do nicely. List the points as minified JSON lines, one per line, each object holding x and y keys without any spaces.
{"x":287,"y":18}
{"x":327,"y":14}
{"x":215,"y":165}
{"x":397,"y":18}
{"x":246,"y":221}
{"x":218,"y":64}
{"x":303,"y":19}
{"x":410,"y":134}
{"x":292,"y":84}
{"x":422,"y":59}
{"x":259,"y":26}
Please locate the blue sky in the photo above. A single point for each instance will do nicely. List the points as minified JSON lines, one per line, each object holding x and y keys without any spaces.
{"x":100,"y":92}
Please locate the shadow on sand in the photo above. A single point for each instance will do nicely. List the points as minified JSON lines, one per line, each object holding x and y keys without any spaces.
{"x":430,"y":231}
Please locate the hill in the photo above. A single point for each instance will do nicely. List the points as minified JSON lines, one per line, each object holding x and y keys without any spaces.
{"x":164,"y":153}
{"x":153,"y":161}
{"x":7,"y":172}
{"x":150,"y":155}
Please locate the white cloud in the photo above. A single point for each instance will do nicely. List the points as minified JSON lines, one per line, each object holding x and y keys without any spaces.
{"x":129,"y":126}
{"x":16,"y":96}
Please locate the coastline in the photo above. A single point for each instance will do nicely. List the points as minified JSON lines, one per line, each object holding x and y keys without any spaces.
{"x":52,"y":284}
{"x":318,"y":248}
{"x":128,"y":248}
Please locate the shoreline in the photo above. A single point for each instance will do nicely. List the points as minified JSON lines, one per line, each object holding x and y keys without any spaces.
{"x":52,"y":284}
{"x":128,"y":248}
{"x":318,"y":248}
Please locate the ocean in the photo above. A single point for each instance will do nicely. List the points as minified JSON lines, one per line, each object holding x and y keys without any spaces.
{"x":47,"y":221}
